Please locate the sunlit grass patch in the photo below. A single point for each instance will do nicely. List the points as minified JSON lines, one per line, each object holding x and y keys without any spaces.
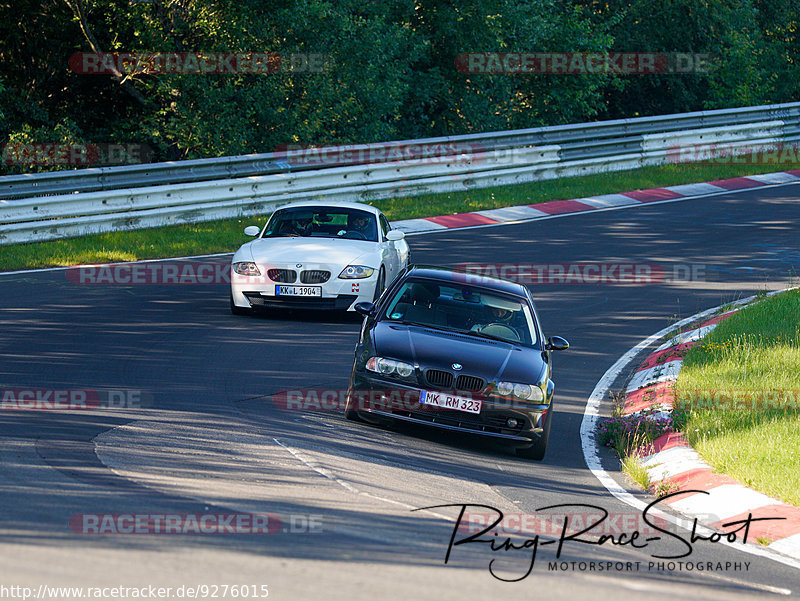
{"x":745,"y":377}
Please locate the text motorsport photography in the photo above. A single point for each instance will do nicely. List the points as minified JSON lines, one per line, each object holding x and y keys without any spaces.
{"x":515,"y":541}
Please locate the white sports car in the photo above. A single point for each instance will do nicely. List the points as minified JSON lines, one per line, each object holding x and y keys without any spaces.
{"x":317,"y":255}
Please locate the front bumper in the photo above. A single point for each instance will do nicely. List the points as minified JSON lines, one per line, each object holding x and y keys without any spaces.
{"x":258,"y":292}
{"x":256,"y":300}
{"x":380,"y":400}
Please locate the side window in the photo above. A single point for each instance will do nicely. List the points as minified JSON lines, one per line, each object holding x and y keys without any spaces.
{"x":385,"y":227}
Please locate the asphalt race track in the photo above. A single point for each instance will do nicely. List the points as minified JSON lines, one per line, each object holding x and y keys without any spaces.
{"x":210,"y":438}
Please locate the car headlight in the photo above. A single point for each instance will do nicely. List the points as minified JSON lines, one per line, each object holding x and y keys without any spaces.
{"x":505,"y":388}
{"x":388,"y":367}
{"x":525,"y":392}
{"x":246,"y":268}
{"x":356,"y":272}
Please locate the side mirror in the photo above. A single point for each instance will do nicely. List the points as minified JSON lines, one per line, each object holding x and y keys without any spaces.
{"x":556,"y":343}
{"x":252,"y":230}
{"x":395,"y":235}
{"x":364,"y":307}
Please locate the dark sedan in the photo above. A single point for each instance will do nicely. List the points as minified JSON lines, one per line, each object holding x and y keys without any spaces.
{"x":457,"y":351}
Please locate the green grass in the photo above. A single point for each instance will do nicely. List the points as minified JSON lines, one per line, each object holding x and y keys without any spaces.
{"x":755,"y":350}
{"x":630,"y":436}
{"x":226,"y":235}
{"x":636,"y":471}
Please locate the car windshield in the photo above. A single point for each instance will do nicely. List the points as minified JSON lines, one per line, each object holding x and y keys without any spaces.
{"x":323,"y":222}
{"x":470,"y":310}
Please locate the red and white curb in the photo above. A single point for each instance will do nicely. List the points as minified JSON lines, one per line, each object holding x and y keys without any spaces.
{"x":672,"y":462}
{"x":592,"y":203}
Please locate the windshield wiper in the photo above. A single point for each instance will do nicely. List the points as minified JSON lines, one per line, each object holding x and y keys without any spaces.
{"x":487,"y":336}
{"x":448,"y":329}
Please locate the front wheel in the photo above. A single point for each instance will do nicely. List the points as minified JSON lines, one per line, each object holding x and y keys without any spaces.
{"x":537,"y":451}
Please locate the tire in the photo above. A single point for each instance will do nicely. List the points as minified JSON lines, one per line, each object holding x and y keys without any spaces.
{"x":380,"y":285}
{"x":239,"y":310}
{"x":537,"y":451}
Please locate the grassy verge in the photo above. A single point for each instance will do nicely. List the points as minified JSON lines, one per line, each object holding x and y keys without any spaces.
{"x":629,"y":436}
{"x":226,"y":235}
{"x":754,"y":354}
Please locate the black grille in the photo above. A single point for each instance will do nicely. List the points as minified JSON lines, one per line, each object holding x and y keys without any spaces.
{"x":469,"y":383}
{"x":283,"y":276}
{"x":314,"y":276}
{"x":486,"y":423}
{"x":340,"y":302}
{"x":441,"y":379}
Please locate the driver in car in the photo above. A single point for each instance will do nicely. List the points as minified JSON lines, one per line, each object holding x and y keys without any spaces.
{"x":360,"y":223}
{"x":494,"y":315}
{"x":497,"y":321}
{"x":301,"y":225}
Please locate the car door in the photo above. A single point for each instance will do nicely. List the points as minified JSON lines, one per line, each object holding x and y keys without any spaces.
{"x":398,"y":250}
{"x":389,"y":253}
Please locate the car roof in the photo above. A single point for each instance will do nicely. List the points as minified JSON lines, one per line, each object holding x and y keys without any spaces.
{"x":446,"y":274}
{"x":326,"y":204}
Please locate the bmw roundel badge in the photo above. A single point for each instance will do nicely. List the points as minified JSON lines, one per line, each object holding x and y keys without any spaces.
{"x":456,"y":366}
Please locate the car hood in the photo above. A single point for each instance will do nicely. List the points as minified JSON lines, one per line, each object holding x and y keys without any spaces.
{"x":308,"y":250}
{"x":439,"y":349}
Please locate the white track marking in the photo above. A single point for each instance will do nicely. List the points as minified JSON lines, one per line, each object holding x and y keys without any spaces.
{"x":672,"y":462}
{"x":789,"y":545}
{"x":724,"y":501}
{"x":347,"y":486}
{"x":688,"y":336}
{"x":780,"y":177}
{"x":663,"y":372}
{"x":512,"y":213}
{"x":417,"y":226}
{"x":608,"y":200}
{"x":695,"y":189}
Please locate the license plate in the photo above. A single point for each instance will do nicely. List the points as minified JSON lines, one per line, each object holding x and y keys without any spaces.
{"x":298,"y":291}
{"x":450,"y":401}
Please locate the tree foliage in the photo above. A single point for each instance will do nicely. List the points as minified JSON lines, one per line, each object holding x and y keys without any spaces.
{"x":389,"y":68}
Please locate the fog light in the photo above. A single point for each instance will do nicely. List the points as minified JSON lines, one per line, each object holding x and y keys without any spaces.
{"x":512,"y":423}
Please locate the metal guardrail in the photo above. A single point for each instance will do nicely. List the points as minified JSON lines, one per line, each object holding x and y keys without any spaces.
{"x":53,"y":205}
